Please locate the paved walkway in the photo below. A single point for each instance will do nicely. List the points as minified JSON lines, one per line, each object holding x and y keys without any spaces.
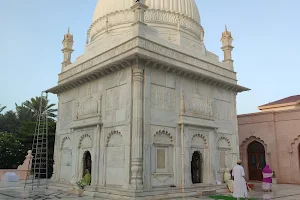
{"x":10,"y":191}
{"x":281,"y":191}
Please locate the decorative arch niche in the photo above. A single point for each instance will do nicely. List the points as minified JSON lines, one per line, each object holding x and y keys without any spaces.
{"x":162,"y":158}
{"x":85,"y":141}
{"x":224,"y":148}
{"x":295,"y":143}
{"x":199,"y":140}
{"x":65,"y":170}
{"x":115,"y":159}
{"x":224,"y":142}
{"x":66,"y":143}
{"x":163,"y":137}
{"x":114,"y":136}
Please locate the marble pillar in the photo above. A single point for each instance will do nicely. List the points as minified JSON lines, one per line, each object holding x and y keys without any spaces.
{"x":137,"y":129}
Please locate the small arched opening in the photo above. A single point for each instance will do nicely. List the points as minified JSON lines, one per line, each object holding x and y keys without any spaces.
{"x":87,"y":162}
{"x":256,"y":160}
{"x":196,"y":167}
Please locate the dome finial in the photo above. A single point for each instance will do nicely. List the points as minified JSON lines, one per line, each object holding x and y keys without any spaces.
{"x":69,"y":30}
{"x":225,"y":28}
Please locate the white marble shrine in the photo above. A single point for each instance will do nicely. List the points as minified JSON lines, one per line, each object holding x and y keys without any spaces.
{"x":147,"y":109}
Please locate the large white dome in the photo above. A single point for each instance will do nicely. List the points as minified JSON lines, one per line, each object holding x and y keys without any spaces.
{"x":115,"y":14}
{"x":185,"y":7}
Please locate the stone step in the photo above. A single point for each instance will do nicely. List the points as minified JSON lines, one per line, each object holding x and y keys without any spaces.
{"x":153,"y":194}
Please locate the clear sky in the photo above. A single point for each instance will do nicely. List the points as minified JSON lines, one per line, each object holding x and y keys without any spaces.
{"x":266,"y":39}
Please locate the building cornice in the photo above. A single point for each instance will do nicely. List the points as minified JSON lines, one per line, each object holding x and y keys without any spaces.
{"x":271,"y":112}
{"x":155,"y":56}
{"x":278,"y":105}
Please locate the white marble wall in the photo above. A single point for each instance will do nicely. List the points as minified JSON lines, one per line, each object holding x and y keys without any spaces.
{"x":201,"y":101}
{"x":96,"y":117}
{"x":88,"y":115}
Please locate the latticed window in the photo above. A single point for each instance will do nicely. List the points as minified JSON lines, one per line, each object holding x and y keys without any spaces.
{"x":161,"y":158}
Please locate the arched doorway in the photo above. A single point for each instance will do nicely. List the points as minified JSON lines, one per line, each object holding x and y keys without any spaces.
{"x":299,"y":154}
{"x":196,"y":167}
{"x":87,"y":162}
{"x":256,"y":160}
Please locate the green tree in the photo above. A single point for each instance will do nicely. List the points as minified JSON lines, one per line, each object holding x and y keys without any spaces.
{"x":12,"y":153}
{"x":14,"y":147}
{"x":9,"y":122}
{"x":34,"y":106}
{"x":24,"y":113}
{"x":2,"y":108}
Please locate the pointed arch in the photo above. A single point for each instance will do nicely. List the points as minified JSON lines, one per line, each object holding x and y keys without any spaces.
{"x":195,"y":140}
{"x":82,"y":138}
{"x":163,"y":136}
{"x":65,"y":160}
{"x":64,"y":140}
{"x":224,"y":139}
{"x":110,"y":135}
{"x":114,"y":158}
{"x":250,"y":139}
{"x":296,"y":140}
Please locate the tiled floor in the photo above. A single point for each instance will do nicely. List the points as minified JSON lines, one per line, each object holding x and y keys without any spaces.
{"x":16,"y":191}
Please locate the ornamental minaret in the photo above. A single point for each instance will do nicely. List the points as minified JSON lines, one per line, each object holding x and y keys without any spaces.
{"x":227,"y":48}
{"x":67,"y":48}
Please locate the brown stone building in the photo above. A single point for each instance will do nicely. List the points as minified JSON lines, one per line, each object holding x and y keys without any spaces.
{"x":272,"y":136}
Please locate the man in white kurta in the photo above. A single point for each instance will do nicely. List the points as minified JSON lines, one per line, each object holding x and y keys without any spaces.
{"x":240,"y":188}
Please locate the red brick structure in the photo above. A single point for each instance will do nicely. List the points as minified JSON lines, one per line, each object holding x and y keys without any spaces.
{"x":272,"y":137}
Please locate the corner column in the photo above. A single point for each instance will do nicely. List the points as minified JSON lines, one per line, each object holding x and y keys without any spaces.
{"x":57,"y":153}
{"x":137,"y":129}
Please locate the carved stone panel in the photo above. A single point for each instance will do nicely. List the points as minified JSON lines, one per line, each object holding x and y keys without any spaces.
{"x":115,"y":98}
{"x":66,"y":113}
{"x":199,"y":105}
{"x":88,"y":106}
{"x":115,"y":158}
{"x":112,"y":99}
{"x":223,"y":110}
{"x":163,"y":98}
